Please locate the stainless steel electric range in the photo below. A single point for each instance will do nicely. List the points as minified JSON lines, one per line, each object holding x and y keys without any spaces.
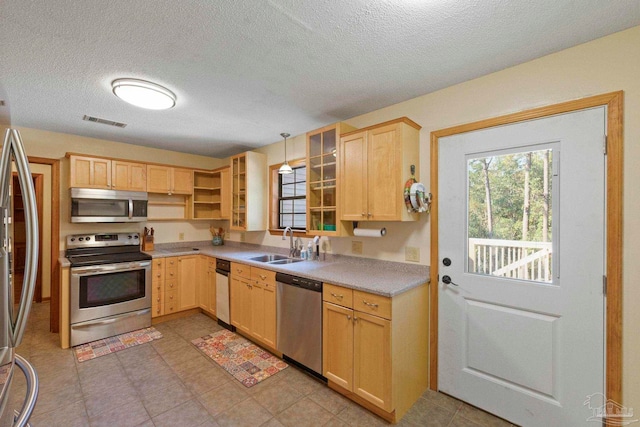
{"x":110,"y":285}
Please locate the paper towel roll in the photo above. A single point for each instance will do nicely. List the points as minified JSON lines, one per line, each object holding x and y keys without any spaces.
{"x":369,"y":232}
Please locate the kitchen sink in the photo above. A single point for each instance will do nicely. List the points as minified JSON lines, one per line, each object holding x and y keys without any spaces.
{"x":286,"y":261}
{"x":269,"y":258}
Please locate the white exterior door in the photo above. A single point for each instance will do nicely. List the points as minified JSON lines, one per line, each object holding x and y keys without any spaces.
{"x":521,"y":320}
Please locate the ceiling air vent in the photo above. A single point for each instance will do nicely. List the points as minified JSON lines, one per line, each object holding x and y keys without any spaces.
{"x":103,"y":121}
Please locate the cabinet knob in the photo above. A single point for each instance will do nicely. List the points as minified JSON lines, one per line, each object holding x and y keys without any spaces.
{"x":369,"y":214}
{"x":158,"y":275}
{"x":355,"y":319}
{"x":348,"y":317}
{"x":262,"y":276}
{"x":158,"y":299}
{"x":363,"y":214}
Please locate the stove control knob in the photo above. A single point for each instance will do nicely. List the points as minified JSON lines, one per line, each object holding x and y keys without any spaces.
{"x":87,"y":238}
{"x":80,"y":239}
{"x":73,"y":239}
{"x":129,"y":237}
{"x":135,"y":236}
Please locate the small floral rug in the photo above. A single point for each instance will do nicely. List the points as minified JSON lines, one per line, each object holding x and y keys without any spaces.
{"x":110,"y":345}
{"x":247,"y":362}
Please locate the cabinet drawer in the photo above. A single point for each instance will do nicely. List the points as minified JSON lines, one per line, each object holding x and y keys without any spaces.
{"x":171,"y":273}
{"x":171,"y":285}
{"x":157,"y":309}
{"x":157,"y":305}
{"x":157,"y":287}
{"x":158,"y":298}
{"x":337,"y":295}
{"x":157,"y":274}
{"x":372,"y":304}
{"x":171,"y":297}
{"x":240,"y":270}
{"x":262,"y":275}
{"x":170,"y":307}
{"x":171,"y":262}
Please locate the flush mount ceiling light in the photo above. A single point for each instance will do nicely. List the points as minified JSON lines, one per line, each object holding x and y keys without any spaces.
{"x":285,"y":168}
{"x":144,"y":94}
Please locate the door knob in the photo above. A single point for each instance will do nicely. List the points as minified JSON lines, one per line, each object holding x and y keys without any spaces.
{"x":447,"y":281}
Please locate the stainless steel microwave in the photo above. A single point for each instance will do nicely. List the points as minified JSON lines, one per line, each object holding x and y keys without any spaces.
{"x":96,"y":205}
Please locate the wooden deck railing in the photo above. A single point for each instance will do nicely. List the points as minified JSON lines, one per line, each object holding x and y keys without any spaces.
{"x":511,"y":258}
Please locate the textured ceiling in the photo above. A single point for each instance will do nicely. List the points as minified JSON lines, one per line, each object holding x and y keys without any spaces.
{"x":245,"y":71}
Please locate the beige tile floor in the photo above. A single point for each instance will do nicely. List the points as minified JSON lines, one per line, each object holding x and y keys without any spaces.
{"x":170,"y":383}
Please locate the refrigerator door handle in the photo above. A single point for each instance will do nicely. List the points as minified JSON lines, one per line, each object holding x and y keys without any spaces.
{"x":13,"y":142}
{"x":23,"y":416}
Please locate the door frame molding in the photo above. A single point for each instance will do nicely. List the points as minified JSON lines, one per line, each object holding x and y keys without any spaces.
{"x":54,"y":304}
{"x":614,"y":200}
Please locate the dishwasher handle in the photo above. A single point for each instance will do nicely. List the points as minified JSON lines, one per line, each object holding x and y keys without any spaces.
{"x":223,"y":272}
{"x":300,"y":282}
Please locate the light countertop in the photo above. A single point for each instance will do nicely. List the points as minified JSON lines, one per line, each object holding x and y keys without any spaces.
{"x":371,"y":275}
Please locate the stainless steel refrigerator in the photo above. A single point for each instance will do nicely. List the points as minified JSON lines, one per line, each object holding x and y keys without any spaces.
{"x":13,"y":316}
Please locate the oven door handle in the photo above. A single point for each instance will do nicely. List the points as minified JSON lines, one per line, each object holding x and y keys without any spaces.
{"x":111,"y":319}
{"x":130,"y":208}
{"x":110,"y":268}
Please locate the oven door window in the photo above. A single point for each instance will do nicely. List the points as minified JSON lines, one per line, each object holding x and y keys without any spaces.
{"x":111,"y":288}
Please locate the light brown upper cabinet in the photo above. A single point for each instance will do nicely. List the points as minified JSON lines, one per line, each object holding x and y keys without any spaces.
{"x":128,"y":176}
{"x":168,"y":180}
{"x":323,"y":169}
{"x":249,"y":192}
{"x":90,"y":172}
{"x":211,"y":193}
{"x":375,"y":163}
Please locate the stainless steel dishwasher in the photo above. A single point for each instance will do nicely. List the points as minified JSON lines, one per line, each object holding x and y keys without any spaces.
{"x":299,"y":303}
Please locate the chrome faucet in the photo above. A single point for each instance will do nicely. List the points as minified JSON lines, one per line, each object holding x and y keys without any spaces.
{"x":292,"y":250}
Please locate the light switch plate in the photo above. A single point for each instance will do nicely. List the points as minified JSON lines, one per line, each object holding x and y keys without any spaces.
{"x":180,"y":236}
{"x":356,"y":247}
{"x":412,"y":254}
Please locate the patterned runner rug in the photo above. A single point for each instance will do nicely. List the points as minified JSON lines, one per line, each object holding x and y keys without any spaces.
{"x":110,"y":345}
{"x":247,"y":362}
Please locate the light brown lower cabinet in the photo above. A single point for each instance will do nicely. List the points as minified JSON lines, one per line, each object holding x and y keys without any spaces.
{"x":174,"y":284}
{"x":253,"y":303}
{"x":157,"y":287}
{"x":207,"y":284}
{"x":375,"y":348}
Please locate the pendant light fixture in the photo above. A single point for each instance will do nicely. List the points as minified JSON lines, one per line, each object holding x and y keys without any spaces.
{"x":285,"y":168}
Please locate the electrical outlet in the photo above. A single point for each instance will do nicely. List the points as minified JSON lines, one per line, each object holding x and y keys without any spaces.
{"x":356,"y":247}
{"x":412,"y":254}
{"x":326,"y":245}
{"x":180,"y":236}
